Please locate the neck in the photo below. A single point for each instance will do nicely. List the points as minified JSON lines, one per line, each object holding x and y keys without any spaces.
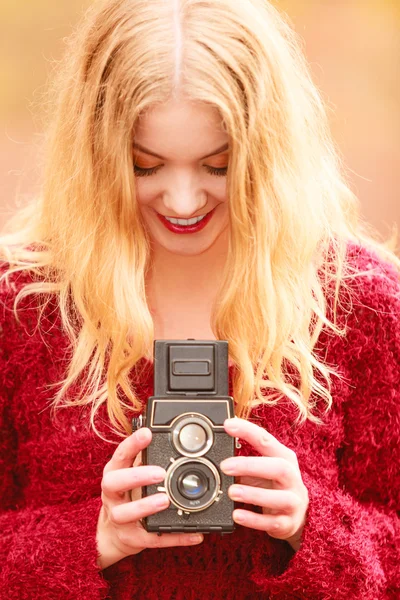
{"x":178,"y":274}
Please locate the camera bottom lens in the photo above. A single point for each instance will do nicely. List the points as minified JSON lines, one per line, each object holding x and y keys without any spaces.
{"x":192,"y":484}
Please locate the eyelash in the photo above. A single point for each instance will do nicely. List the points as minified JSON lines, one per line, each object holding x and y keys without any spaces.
{"x":140,"y":172}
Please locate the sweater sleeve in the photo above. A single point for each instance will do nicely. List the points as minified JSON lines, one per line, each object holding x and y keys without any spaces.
{"x":48,"y":552}
{"x":350,"y":546}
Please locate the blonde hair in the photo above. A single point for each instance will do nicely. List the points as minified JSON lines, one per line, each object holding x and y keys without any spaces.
{"x":291,"y":210}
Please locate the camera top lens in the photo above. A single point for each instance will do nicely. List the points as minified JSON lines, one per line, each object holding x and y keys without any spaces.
{"x":192,"y":437}
{"x":192,"y":434}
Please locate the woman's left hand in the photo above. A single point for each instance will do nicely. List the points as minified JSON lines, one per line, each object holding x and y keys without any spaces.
{"x":272,"y":481}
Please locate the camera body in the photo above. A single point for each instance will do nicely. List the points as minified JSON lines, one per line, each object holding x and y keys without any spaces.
{"x":186,"y":416}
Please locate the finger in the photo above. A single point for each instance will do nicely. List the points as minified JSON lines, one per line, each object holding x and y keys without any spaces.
{"x":283,"y":501}
{"x":115,"y":483}
{"x":130,"y":512}
{"x":279,"y":470}
{"x":126,"y":451}
{"x":263,"y":441}
{"x":256,"y":482}
{"x":137,"y":537}
{"x":173,"y":539}
{"x":152,"y":540}
{"x":278,"y":526}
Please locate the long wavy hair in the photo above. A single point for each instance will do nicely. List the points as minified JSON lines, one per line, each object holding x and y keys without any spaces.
{"x":292,"y":212}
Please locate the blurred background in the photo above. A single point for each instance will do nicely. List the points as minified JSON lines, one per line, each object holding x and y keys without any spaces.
{"x":353,"y":47}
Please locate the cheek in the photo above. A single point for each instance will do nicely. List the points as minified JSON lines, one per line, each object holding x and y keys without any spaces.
{"x":143,"y":194}
{"x":218,"y":190}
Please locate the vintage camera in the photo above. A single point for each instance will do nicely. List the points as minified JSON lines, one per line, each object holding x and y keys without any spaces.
{"x":186,"y":416}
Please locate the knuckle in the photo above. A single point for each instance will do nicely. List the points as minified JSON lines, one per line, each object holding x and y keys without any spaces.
{"x":182,"y":540}
{"x":107,"y":468}
{"x":266,"y":439}
{"x":282,"y":470}
{"x":292,"y":503}
{"x":120,"y":454}
{"x":285,"y":470}
{"x":114,"y":515}
{"x":154,"y":542}
{"x":106,"y":483}
{"x":280,"y":526}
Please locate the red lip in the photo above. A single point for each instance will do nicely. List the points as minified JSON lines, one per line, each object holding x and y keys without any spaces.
{"x":186,"y":228}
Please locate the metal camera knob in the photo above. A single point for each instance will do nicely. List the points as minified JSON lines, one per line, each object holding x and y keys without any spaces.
{"x":137,"y":422}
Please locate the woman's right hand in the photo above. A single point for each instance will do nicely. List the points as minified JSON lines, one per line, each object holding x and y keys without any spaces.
{"x":119,"y":530}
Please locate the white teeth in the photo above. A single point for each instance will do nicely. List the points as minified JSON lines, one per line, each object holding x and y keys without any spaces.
{"x":185,"y":221}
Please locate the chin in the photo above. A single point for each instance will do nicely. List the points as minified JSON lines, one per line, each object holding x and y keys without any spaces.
{"x":186,"y":245}
{"x":186,"y":250}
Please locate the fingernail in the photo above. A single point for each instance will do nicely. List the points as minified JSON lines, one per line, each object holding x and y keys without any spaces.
{"x":235,"y":492}
{"x":196,"y":539}
{"x":158,"y":476}
{"x":228,"y":466}
{"x":162,"y":501}
{"x":238,"y":517}
{"x":142,"y":435}
{"x":232,"y":424}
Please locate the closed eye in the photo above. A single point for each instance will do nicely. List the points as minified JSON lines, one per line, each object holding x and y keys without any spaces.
{"x":141,"y":172}
{"x":219,"y":171}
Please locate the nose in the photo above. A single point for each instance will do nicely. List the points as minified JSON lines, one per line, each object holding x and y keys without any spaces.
{"x":184,"y":205}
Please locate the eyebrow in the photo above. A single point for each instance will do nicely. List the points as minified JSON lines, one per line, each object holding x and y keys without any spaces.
{"x":147,"y":151}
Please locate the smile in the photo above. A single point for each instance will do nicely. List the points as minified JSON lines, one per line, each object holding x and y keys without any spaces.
{"x":185,"y":221}
{"x":193,"y":225}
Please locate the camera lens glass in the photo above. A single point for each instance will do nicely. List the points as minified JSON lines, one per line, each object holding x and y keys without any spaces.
{"x":192,"y":434}
{"x":192,"y":484}
{"x":192,"y":437}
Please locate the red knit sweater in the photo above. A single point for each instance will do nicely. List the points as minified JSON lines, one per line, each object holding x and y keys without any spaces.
{"x":51,"y":474}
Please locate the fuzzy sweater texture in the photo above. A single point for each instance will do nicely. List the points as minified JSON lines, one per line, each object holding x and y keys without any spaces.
{"x":50,"y":494}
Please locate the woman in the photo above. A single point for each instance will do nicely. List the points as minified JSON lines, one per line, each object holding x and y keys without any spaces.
{"x":164,"y":113}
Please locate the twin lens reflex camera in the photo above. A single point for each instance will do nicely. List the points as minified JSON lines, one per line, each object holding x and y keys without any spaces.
{"x":186,"y":416}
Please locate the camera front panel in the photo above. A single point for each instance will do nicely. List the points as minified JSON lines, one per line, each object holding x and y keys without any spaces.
{"x":190,"y":445}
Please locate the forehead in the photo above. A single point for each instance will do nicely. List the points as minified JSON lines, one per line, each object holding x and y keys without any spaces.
{"x":180,"y":126}
{"x":178,"y":113}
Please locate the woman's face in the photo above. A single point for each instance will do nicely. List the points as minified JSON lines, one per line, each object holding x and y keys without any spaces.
{"x":188,"y":177}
